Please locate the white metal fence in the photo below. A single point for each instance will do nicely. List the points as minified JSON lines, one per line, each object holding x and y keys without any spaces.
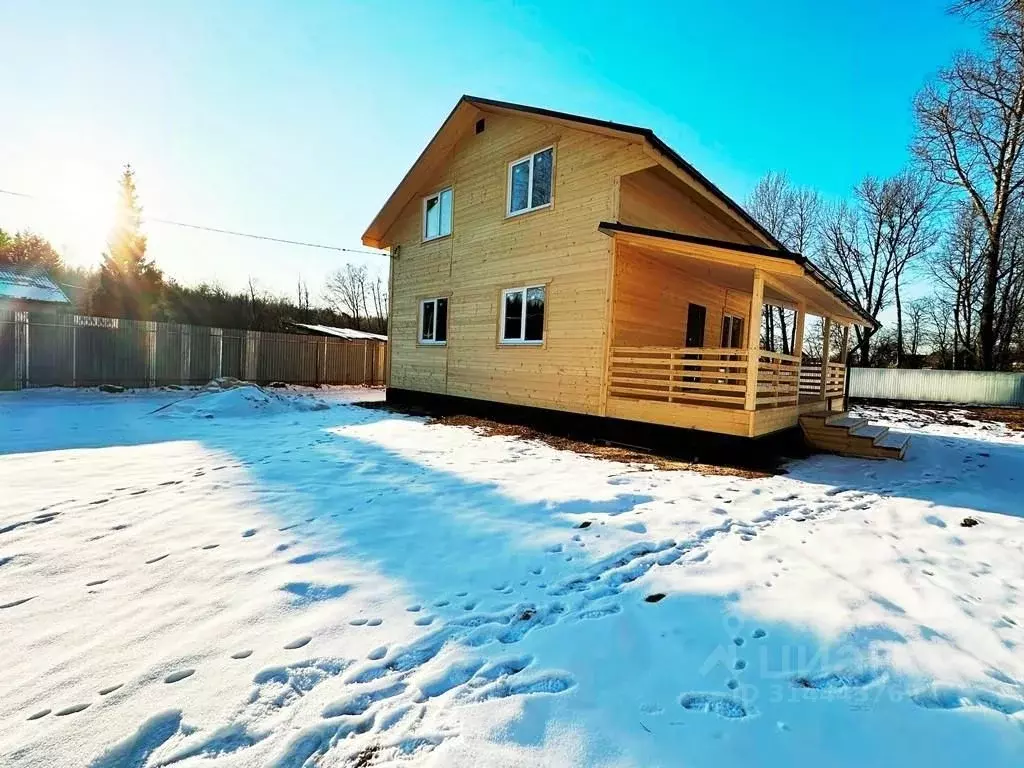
{"x":964,"y":387}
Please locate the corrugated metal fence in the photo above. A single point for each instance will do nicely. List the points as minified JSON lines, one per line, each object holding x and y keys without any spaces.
{"x":966,"y":387}
{"x":47,"y":350}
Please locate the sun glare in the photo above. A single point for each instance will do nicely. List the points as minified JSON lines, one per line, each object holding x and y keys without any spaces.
{"x":80,"y":206}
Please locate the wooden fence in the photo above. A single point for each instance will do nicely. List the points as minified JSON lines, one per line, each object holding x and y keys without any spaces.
{"x":51,"y":350}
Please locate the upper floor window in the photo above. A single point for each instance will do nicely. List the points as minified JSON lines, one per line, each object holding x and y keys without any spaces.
{"x":522,"y":315}
{"x":529,"y":182}
{"x":434,"y":321}
{"x":437,"y":215}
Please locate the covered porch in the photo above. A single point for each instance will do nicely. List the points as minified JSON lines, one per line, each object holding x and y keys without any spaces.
{"x":685,"y":341}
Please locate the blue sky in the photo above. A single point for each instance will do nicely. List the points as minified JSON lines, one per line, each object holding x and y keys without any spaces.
{"x":297,"y":119}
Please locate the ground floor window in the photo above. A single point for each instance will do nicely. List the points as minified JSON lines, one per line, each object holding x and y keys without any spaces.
{"x":732,"y":331}
{"x":522,"y":315}
{"x":434,"y":321}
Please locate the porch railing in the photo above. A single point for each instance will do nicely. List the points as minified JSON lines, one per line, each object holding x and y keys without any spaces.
{"x":716,"y":375}
{"x":778,"y":379}
{"x":679,"y":374}
{"x":835,"y":380}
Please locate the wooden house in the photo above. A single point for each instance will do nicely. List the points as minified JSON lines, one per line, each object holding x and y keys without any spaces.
{"x":559,"y":262}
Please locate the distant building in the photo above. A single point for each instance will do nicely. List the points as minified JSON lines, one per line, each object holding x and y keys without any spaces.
{"x":29,"y":289}
{"x":350,"y":334}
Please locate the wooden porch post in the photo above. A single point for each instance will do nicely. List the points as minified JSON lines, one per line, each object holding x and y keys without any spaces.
{"x":798,"y":334}
{"x":845,"y":351}
{"x":754,"y":340}
{"x":826,"y":353}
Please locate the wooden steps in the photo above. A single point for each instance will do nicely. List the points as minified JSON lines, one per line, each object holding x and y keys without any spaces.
{"x":852,"y":436}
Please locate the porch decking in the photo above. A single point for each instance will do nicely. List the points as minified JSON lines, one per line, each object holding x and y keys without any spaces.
{"x":719,"y":389}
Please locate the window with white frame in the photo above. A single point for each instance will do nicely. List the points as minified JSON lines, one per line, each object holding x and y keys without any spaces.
{"x":732,"y":331}
{"x":522,"y":315}
{"x":437,"y":215}
{"x":434,"y":321}
{"x":529,"y":181}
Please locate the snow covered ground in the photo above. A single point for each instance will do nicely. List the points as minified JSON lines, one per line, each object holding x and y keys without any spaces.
{"x":247,"y":580}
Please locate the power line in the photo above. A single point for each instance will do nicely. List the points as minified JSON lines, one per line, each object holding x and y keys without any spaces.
{"x":233,"y":233}
{"x":260,"y":237}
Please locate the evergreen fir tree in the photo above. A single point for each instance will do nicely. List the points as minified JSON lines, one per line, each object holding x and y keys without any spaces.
{"x":130,"y":285}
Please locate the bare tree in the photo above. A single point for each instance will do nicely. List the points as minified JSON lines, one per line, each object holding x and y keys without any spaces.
{"x":970,"y":137}
{"x":302,"y":299}
{"x":791,"y":214}
{"x":958,"y":272}
{"x":853,"y":254}
{"x":379,"y":300}
{"x":917,"y":330}
{"x":345,"y":291}
{"x":909,"y":234}
{"x":257,"y":304}
{"x":867,"y":244}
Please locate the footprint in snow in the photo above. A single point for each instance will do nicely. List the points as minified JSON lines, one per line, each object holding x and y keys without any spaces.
{"x":248,"y":533}
{"x":73,"y":709}
{"x":377,"y":653}
{"x":95,"y":583}
{"x":242,"y":654}
{"x":157,"y":559}
{"x":110,"y":689}
{"x":210,"y":546}
{"x":298,"y":642}
{"x":178,"y":676}
{"x":374,"y":622}
{"x":757,"y":634}
{"x":16,"y":603}
{"x":39,"y":714}
{"x":715,"y":704}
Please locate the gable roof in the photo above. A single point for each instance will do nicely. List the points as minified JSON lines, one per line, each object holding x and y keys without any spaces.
{"x":28,"y":284}
{"x":463,"y":115}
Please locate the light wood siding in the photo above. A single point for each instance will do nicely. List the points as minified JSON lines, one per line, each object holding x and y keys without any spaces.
{"x":656,"y":199}
{"x":651,"y":296}
{"x":420,"y":271}
{"x":488,"y":251}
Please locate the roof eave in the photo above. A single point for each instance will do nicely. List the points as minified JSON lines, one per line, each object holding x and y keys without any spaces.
{"x":612,"y":227}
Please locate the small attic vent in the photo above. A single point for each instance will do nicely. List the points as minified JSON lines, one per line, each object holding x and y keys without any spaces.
{"x":480,"y":125}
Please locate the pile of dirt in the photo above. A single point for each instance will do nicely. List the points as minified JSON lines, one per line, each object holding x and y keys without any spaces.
{"x":228,"y":397}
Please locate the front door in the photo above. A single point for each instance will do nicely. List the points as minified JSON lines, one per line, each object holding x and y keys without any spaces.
{"x":695,"y":317}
